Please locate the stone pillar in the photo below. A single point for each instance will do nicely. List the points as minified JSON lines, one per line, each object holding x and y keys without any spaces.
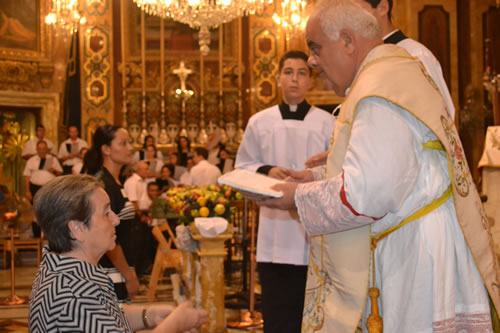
{"x":212,"y":253}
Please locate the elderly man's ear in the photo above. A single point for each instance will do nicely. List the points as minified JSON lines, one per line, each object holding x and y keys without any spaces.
{"x":348,"y":39}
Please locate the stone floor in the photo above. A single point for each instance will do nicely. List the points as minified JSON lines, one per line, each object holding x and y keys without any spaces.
{"x":14,"y":318}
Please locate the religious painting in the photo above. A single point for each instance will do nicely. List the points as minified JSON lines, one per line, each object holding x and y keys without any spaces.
{"x":179,"y":38}
{"x":19,"y":24}
{"x":23,"y":35}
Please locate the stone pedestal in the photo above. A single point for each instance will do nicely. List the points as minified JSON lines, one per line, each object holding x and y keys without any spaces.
{"x":212,"y":254}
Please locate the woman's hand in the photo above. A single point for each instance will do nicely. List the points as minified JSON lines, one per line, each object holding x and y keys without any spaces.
{"x":185,"y":318}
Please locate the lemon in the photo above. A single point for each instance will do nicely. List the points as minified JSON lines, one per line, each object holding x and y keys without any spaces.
{"x":202,"y":201}
{"x":204,"y":212}
{"x":219,"y":209}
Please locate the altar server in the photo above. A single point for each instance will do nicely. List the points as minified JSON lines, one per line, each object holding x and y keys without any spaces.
{"x":284,"y":136}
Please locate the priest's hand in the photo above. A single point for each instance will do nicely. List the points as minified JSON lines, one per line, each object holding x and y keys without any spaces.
{"x":303,"y":176}
{"x":286,"y":202}
{"x":278,"y":172}
{"x":317,"y":160}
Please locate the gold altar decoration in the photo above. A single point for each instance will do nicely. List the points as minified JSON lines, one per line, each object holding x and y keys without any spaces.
{"x":202,"y":14}
{"x":64,"y":16}
{"x":293,"y":17}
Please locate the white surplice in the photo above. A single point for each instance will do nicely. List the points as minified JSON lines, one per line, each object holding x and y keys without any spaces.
{"x":424,"y":270}
{"x":271,"y":140}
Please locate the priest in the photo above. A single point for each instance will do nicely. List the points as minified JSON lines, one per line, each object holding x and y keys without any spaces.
{"x":276,"y":139}
{"x":401,"y":242}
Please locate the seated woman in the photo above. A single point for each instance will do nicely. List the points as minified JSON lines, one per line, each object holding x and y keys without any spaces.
{"x":140,"y":155}
{"x":166,"y":180}
{"x":155,"y":164}
{"x":71,"y":292}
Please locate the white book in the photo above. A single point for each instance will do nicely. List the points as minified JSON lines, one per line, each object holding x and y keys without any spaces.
{"x":252,"y":185}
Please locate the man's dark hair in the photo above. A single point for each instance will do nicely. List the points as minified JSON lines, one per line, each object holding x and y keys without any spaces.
{"x":374,"y":4}
{"x":294,"y":54}
{"x":202,"y":152}
{"x":169,"y":167}
{"x":41,"y":142}
{"x":152,"y":184}
{"x":40,"y":126}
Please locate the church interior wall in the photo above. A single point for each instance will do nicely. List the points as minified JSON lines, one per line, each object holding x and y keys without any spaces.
{"x":246,"y":52}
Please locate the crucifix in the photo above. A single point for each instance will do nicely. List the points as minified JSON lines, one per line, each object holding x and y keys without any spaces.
{"x":182,"y":72}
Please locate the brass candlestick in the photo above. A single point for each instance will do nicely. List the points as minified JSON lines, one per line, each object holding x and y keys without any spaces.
{"x":250,"y":319}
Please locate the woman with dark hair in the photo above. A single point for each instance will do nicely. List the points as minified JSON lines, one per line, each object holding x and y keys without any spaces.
{"x":140,"y":155}
{"x":183,"y":150}
{"x":71,"y":292}
{"x":166,"y":179}
{"x":226,"y":163}
{"x":110,"y":152}
{"x":155,"y":164}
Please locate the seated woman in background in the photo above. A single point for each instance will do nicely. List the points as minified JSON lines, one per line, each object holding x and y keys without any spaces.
{"x":140,"y":155}
{"x":183,"y":150}
{"x":155,"y":164}
{"x":173,"y":159}
{"x":166,"y":180}
{"x":226,"y":163}
{"x":71,"y":292}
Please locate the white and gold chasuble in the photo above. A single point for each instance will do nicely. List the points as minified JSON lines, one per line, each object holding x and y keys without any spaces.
{"x":430,"y":277}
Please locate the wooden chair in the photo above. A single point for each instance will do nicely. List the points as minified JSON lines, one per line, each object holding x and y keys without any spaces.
{"x":22,"y":244}
{"x":166,"y":257}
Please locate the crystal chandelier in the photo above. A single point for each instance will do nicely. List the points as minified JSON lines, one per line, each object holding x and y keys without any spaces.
{"x":202,"y":14}
{"x":64,"y":16}
{"x":293,"y":16}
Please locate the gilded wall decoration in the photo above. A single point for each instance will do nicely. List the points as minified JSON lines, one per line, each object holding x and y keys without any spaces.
{"x":17,"y":76}
{"x":96,"y":70}
{"x":266,"y":46}
{"x":96,"y":66}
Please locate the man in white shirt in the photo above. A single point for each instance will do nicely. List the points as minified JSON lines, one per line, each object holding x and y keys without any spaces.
{"x":203,"y":173}
{"x":30,"y":149}
{"x":69,"y":150}
{"x":397,"y":220}
{"x":185,"y":178}
{"x":280,"y":137}
{"x":135,"y":185}
{"x":39,"y":170}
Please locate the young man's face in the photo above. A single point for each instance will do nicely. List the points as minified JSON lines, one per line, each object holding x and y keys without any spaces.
{"x":294,"y":80}
{"x":40,"y":132}
{"x":153,"y":191}
{"x":73,"y":132}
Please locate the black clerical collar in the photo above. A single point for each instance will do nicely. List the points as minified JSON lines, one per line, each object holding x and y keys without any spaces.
{"x":395,"y":37}
{"x":299,"y":114}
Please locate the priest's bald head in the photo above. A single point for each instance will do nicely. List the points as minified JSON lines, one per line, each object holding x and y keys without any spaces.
{"x":339,"y":34}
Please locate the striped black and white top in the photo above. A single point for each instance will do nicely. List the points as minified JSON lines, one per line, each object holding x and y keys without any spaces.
{"x":70,"y":295}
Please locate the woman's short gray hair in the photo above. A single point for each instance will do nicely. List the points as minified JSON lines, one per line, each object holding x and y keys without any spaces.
{"x":334,"y":15}
{"x":64,"y":199}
